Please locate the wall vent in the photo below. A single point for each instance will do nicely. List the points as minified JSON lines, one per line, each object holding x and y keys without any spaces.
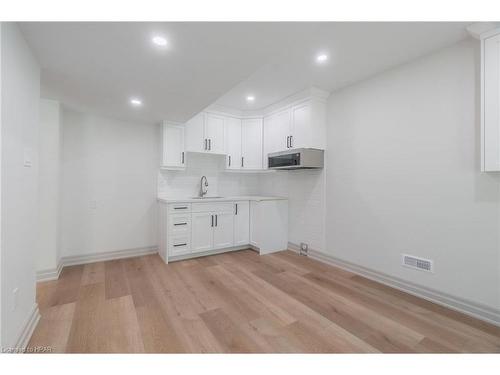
{"x":417,"y":263}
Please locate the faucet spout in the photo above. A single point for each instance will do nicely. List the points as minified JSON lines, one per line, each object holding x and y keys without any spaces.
{"x":203,"y":186}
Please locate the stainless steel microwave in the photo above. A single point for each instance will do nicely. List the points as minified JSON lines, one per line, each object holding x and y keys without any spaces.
{"x":299,"y":158}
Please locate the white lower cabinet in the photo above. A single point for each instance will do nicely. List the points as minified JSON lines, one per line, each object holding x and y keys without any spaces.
{"x":241,"y":223}
{"x":223,"y":230}
{"x":190,"y":229}
{"x":202,"y":234}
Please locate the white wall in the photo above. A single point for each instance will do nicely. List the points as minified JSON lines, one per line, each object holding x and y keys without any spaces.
{"x":403,"y":176}
{"x":19,"y":201}
{"x":109,"y":171}
{"x":187,"y":183}
{"x":49,"y":185}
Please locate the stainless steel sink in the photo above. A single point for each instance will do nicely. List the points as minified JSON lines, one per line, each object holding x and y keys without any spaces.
{"x":206,"y":197}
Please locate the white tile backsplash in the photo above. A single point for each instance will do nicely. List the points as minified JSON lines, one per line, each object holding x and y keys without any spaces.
{"x":186,"y":183}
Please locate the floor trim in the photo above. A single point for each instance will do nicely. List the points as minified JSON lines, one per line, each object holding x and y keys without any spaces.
{"x":28,"y":329}
{"x":53,"y":274}
{"x":467,"y":307}
{"x":110,"y":255}
{"x":50,"y":274}
{"x":207,"y":253}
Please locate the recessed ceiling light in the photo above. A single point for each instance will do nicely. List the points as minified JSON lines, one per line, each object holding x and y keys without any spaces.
{"x":136,"y":102}
{"x":250,"y":98}
{"x":321,"y":58}
{"x":159,"y":41}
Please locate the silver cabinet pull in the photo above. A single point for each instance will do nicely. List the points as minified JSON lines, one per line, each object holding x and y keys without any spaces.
{"x":205,"y":144}
{"x":236,"y":212}
{"x":215,"y":220}
{"x":180,"y":223}
{"x":209,"y":144}
{"x":212,"y":220}
{"x":229,"y":160}
{"x":288,"y":141}
{"x":291,"y":141}
{"x":182,"y":157}
{"x":180,"y":208}
{"x":180,"y":244}
{"x":242,"y":163}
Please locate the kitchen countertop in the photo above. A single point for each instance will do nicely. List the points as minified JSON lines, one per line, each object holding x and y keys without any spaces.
{"x":257,"y":198}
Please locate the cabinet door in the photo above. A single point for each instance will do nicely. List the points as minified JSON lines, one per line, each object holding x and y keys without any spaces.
{"x":254,"y":223}
{"x":241,"y":223}
{"x":214,"y":132}
{"x":491,"y":102}
{"x":201,"y":232}
{"x":233,"y":143}
{"x":223,"y":230}
{"x":195,"y":137}
{"x":300,"y":128}
{"x":173,"y":145}
{"x":276,"y":131}
{"x":251,"y":143}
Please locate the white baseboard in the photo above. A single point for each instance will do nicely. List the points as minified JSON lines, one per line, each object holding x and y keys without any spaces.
{"x":50,"y":274}
{"x":92,"y":258}
{"x":476,"y":310}
{"x":27,"y":330}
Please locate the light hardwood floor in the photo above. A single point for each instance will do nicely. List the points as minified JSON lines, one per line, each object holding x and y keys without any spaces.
{"x":243,"y":302}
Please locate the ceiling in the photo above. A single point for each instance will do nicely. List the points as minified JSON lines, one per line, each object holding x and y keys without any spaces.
{"x":98,"y":67}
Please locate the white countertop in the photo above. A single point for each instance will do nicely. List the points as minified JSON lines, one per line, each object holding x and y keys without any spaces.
{"x":258,"y":198}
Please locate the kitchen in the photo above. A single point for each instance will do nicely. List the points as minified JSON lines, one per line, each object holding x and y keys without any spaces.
{"x":250,"y":187}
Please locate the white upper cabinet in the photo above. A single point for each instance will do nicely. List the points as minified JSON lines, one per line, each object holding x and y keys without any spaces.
{"x":276,"y":133}
{"x":251,"y":143}
{"x":490,"y":113}
{"x":173,"y":155}
{"x":195,"y":134}
{"x":214,"y":133}
{"x":233,"y":143}
{"x":205,"y":133}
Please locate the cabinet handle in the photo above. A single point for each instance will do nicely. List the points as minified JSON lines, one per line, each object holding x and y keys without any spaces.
{"x":180,"y":224}
{"x":180,"y":244}
{"x":288,"y":141}
{"x":182,"y":155}
{"x":212,"y":220}
{"x":229,"y":160}
{"x":180,"y":208}
{"x":291,"y":141}
{"x":236,"y":212}
{"x":205,"y":144}
{"x":242,"y":163}
{"x":209,"y":144}
{"x":215,"y":220}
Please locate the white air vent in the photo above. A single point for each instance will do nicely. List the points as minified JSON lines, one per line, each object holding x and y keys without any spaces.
{"x":417,"y":263}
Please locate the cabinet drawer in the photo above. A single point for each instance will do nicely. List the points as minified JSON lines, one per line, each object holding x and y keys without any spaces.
{"x":179,"y":245}
{"x":179,"y":223}
{"x":213,"y":207}
{"x":176,"y":208}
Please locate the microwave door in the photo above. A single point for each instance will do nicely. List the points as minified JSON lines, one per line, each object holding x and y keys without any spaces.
{"x":283,"y":161}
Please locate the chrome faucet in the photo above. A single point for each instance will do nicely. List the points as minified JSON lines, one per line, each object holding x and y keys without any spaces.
{"x":203,"y":186}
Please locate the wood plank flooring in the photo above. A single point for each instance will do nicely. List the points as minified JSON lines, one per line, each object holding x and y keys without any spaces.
{"x":241,"y":302}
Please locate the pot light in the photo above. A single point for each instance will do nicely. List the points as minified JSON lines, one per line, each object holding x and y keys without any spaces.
{"x":250,"y":98}
{"x":159,"y":41}
{"x":321,"y":58}
{"x":136,"y":102}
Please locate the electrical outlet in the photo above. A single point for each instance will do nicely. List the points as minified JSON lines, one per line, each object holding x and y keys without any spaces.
{"x":304,"y":248}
